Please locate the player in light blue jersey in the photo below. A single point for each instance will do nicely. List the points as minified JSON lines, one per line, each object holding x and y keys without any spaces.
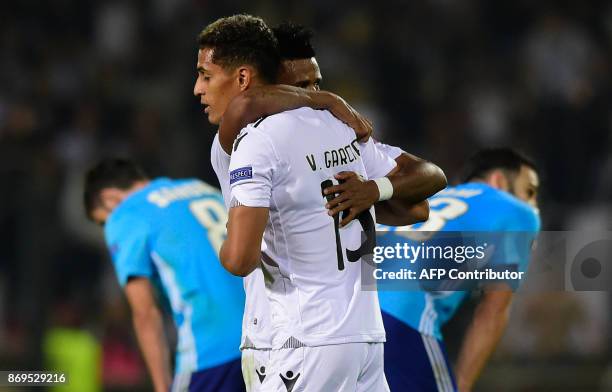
{"x":165,"y":234}
{"x":499,"y":195}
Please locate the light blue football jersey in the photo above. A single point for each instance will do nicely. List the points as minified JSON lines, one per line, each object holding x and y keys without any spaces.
{"x":470,"y":207}
{"x":173,"y":229}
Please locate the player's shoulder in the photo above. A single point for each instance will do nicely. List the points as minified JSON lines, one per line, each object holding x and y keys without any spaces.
{"x":283,"y":121}
{"x":215,"y":147}
{"x":137,"y":207}
{"x":391,"y":151}
{"x":515,"y":214}
{"x":128,"y":218}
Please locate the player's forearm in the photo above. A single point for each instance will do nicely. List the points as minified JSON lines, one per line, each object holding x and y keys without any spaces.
{"x":479,"y":343}
{"x":149,"y":329}
{"x":393,"y":213}
{"x":263,"y":101}
{"x":237,"y":260}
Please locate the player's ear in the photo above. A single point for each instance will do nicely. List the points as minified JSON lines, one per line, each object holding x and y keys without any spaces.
{"x":245,"y":77}
{"x":497,"y":179}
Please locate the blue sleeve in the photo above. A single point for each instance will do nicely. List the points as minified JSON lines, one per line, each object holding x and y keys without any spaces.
{"x":127,"y":241}
{"x":519,"y":235}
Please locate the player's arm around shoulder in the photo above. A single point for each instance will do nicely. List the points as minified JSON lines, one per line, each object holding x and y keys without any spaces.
{"x":428,"y":179}
{"x":252,"y":168}
{"x":262,"y":101}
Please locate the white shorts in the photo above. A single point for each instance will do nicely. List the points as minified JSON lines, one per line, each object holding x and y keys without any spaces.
{"x":351,"y":367}
{"x":255,"y":364}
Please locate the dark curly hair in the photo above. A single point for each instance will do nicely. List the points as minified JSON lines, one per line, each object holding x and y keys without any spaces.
{"x":242,"y":39}
{"x":294,"y":41}
{"x":486,"y":160}
{"x":109,"y":173}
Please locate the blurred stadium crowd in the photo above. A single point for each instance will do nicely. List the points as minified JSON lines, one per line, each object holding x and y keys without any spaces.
{"x":81,"y":80}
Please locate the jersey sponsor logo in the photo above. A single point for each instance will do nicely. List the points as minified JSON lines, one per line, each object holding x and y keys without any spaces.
{"x":289,"y":379}
{"x":242,"y":173}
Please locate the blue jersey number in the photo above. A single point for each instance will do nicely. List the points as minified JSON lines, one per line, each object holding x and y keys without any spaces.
{"x":212,"y":215}
{"x":443,"y":209}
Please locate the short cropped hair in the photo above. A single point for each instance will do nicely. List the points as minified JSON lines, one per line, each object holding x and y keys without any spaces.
{"x":487,"y":160}
{"x":294,"y":41}
{"x":242,"y":39}
{"x":109,"y":173}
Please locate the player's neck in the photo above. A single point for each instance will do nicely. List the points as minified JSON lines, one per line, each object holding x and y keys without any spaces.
{"x":138,"y":185}
{"x":257,"y":82}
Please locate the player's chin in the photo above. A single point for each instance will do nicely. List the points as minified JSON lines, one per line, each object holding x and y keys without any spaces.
{"x":213,"y":118}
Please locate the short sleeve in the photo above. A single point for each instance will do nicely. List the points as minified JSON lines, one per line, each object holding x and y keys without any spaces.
{"x":127,"y":241}
{"x":523,"y":230}
{"x":515,"y":242}
{"x":251,"y":169}
{"x":392,"y":151}
{"x":377,"y":163}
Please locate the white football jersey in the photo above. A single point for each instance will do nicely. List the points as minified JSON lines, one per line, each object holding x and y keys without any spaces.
{"x":255,"y":321}
{"x":313,"y":268}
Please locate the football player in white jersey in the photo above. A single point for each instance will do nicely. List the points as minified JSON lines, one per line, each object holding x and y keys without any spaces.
{"x":221,"y":158}
{"x":256,"y":340}
{"x":329,"y":308}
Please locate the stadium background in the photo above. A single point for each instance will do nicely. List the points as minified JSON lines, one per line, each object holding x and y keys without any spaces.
{"x":85,"y":79}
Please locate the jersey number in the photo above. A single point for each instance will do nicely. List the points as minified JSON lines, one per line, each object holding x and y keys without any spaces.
{"x":449,"y":208}
{"x":367,"y":223}
{"x":212,"y":215}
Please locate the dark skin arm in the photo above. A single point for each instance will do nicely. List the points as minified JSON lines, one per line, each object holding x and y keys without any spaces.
{"x":413,"y":180}
{"x":260,"y":101}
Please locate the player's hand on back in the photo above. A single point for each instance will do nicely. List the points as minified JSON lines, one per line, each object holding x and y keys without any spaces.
{"x":344,"y":112}
{"x":353,"y":195}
